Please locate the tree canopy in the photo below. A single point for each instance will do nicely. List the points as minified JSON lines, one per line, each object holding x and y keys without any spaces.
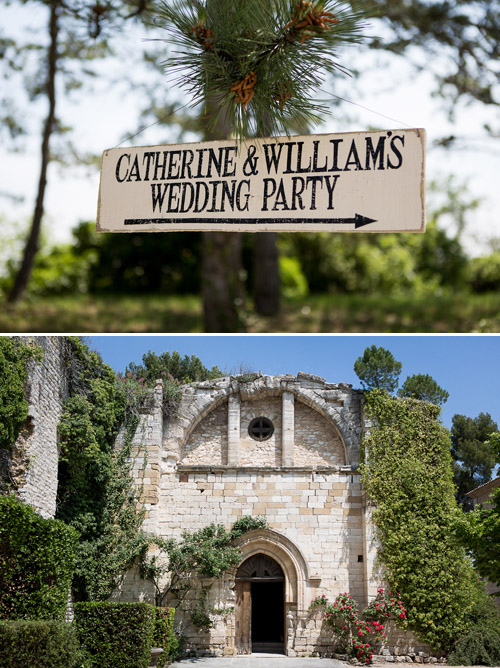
{"x":424,"y":387}
{"x":472,"y":454}
{"x":481,"y":534}
{"x":185,"y":369}
{"x":377,"y":368}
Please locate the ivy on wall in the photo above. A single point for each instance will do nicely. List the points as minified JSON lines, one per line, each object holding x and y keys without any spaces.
{"x":96,"y":492}
{"x":14,"y":357}
{"x":408,"y":477}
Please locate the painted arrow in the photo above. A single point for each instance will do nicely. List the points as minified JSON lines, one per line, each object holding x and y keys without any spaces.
{"x":358,"y":221}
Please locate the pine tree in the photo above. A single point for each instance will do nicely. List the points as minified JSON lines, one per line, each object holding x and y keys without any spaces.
{"x":259,"y":61}
{"x":424,"y":387}
{"x":255,"y":65}
{"x":377,"y":368}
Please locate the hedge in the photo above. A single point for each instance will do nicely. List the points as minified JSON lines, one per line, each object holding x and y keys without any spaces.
{"x":116,"y":635}
{"x":37,"y":559}
{"x":38,"y":644}
{"x":164,"y":635}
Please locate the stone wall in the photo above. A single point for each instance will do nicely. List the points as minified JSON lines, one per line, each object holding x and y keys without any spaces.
{"x":34,"y":462}
{"x":202,"y":466}
{"x":316,"y":443}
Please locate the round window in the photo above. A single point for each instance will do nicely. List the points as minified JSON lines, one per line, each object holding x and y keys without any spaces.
{"x":261,"y":428}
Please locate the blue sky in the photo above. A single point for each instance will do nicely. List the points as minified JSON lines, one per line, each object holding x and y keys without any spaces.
{"x":468,"y":367}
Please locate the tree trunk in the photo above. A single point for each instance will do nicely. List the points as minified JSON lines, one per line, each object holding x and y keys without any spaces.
{"x":222,"y":288}
{"x":266,"y":281}
{"x":31,"y":247}
{"x":266,"y":288}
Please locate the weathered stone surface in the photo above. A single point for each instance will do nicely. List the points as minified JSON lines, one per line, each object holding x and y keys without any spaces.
{"x":36,"y":451}
{"x":201,"y":465}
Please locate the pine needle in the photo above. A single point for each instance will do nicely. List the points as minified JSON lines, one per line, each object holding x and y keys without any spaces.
{"x":261,"y":61}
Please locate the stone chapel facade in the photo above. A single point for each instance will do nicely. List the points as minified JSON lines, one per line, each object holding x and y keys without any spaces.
{"x":283,"y":447}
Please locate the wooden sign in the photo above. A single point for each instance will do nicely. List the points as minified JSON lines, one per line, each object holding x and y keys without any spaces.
{"x":348,"y":182}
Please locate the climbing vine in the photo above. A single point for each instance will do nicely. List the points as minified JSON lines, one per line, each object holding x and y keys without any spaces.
{"x":96,"y":492}
{"x":14,"y":358}
{"x":176,"y":567}
{"x":407,"y":474}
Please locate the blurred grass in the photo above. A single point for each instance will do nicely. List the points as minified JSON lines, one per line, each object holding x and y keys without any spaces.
{"x":314,"y":314}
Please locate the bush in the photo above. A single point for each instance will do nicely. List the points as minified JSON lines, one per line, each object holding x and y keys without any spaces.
{"x":293,"y":281}
{"x":116,"y":635}
{"x":480,"y":647}
{"x":37,"y":559}
{"x":38,"y":644}
{"x":164,"y":635}
{"x":484,"y":273}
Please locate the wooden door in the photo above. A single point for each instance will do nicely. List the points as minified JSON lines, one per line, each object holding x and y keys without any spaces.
{"x":243,"y":618}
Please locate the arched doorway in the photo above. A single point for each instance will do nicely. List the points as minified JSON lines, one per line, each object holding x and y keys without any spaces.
{"x":260,"y":606}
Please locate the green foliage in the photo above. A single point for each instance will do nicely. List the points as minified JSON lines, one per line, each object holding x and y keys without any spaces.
{"x":116,"y":635}
{"x":205,"y":553}
{"x":38,"y":644}
{"x":14,"y":359}
{"x":379,"y":263}
{"x":377,"y":368}
{"x":361,"y":633}
{"x":37,"y":560}
{"x":483,"y":273}
{"x":408,"y":477}
{"x":479,"y":530}
{"x":164,"y":635}
{"x":481,"y":644}
{"x":96,"y":492}
{"x":466,"y":34}
{"x":293,"y":280}
{"x":60,"y":270}
{"x":201,"y":619}
{"x":479,"y":647}
{"x":185,"y":369}
{"x":423,"y":387}
{"x":494,"y":440}
{"x":165,"y":263}
{"x":472,"y":455}
{"x":270,"y":46}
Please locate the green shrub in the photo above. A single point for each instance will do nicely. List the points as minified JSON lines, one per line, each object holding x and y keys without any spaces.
{"x":293,"y":281}
{"x":479,"y":647}
{"x":116,"y":635}
{"x":37,"y":559}
{"x":484,"y":273}
{"x":164,"y":635}
{"x":38,"y":644}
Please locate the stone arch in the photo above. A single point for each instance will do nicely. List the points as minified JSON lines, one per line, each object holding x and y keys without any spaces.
{"x":335,"y":449}
{"x":288,"y":556}
{"x":207,"y":436}
{"x":202,"y":398}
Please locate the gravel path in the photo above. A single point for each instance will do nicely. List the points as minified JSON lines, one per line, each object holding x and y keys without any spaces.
{"x":258,"y":661}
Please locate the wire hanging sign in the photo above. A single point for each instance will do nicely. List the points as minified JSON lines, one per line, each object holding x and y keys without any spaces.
{"x":260,"y":62}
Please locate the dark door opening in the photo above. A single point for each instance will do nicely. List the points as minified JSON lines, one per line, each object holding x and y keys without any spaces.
{"x":268,"y":617}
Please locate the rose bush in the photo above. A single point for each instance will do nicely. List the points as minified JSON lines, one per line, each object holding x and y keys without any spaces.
{"x":361,"y":633}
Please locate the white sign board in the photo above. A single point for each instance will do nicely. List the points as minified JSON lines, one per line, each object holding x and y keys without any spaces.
{"x":348,"y":182}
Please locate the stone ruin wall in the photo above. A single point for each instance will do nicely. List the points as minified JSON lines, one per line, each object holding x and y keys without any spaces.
{"x":306,"y":485}
{"x":31,"y":469}
{"x":206,"y":468}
